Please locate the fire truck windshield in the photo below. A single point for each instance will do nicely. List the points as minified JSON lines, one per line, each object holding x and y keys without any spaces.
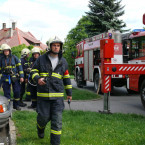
{"x":133,"y":45}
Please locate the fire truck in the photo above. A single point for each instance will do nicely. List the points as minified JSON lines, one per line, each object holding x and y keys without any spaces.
{"x":88,"y":61}
{"x":133,"y":67}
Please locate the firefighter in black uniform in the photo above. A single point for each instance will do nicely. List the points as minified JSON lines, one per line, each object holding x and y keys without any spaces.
{"x":1,"y":54}
{"x":32,"y":86}
{"x":12,"y":73}
{"x":24,"y":61}
{"x":51,"y":74}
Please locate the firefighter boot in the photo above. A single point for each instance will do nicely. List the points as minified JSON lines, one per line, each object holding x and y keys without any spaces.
{"x":40,"y":132}
{"x":21,"y":104}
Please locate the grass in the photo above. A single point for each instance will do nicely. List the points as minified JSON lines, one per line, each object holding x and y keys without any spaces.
{"x":84,"y":128}
{"x":77,"y":94}
{"x":71,"y":76}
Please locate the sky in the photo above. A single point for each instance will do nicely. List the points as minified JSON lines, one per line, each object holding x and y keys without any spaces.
{"x":47,"y":18}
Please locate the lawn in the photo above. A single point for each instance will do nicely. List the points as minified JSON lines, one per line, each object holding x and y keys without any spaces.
{"x":84,"y":128}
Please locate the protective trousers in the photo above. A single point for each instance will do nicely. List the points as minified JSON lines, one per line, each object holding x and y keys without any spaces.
{"x":51,"y":110}
{"x":32,"y":93}
{"x":16,"y":92}
{"x":22,"y":90}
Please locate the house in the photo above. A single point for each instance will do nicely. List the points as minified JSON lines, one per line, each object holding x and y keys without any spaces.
{"x":14,"y":37}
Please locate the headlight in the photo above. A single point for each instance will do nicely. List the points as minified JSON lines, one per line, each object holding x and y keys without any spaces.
{"x":3,"y":108}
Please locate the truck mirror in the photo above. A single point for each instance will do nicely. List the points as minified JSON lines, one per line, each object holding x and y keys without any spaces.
{"x":144,"y":19}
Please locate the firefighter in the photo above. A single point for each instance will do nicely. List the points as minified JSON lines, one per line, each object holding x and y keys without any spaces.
{"x":32,"y":87}
{"x":51,"y":74}
{"x":1,"y":54}
{"x":24,"y":61}
{"x":12,"y":73}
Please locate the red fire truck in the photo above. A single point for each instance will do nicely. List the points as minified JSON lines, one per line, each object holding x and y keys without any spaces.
{"x":88,"y":62}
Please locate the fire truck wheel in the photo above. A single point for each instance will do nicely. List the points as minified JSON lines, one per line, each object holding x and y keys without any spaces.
{"x":97,"y":83}
{"x":142,"y":93}
{"x":79,"y":84}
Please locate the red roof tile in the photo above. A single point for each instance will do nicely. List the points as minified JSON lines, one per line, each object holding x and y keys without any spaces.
{"x":19,"y":37}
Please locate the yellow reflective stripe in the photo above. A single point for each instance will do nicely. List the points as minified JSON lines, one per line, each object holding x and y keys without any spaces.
{"x":7,"y":80}
{"x":35,"y":70}
{"x":57,"y":75}
{"x":66,"y":76}
{"x":9,"y":100}
{"x":40,"y":126}
{"x":50,"y":94}
{"x":18,"y":64}
{"x":0,"y":68}
{"x":44,"y":74}
{"x":17,"y":99}
{"x":55,"y":132}
{"x":35,"y":74}
{"x":68,"y":87}
{"x":28,"y":93}
{"x":21,"y":72}
{"x":8,"y":67}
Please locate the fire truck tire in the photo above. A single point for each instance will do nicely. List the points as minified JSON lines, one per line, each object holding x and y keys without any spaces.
{"x":97,"y":86}
{"x":142,"y":93}
{"x":79,"y":84}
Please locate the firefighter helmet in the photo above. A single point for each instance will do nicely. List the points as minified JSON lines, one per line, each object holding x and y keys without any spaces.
{"x":35,"y":50}
{"x":54,"y":39}
{"x":5,"y":47}
{"x":24,"y":52}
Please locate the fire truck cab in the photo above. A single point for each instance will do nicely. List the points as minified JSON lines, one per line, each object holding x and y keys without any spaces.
{"x":88,"y":61}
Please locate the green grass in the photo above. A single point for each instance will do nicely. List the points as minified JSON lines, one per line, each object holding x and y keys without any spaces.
{"x":71,"y":76}
{"x":84,"y":128}
{"x":77,"y":94}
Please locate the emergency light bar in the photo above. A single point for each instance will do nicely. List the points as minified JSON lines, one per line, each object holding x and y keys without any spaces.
{"x":138,"y":30}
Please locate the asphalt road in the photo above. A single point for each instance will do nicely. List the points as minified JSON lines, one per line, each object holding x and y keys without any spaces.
{"x":120,"y":102}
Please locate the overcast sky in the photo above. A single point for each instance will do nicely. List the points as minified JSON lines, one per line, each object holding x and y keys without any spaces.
{"x":46,"y":18}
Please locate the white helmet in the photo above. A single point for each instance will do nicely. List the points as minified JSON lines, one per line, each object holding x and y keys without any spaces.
{"x":5,"y":47}
{"x":35,"y":50}
{"x":54,"y":39}
{"x":24,"y":52}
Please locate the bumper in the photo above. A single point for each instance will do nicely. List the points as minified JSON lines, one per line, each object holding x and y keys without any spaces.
{"x":4,"y":118}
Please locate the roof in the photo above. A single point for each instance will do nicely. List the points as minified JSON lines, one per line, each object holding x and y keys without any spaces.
{"x":17,"y":37}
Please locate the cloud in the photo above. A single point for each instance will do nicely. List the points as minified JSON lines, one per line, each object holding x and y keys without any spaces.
{"x":41,"y":17}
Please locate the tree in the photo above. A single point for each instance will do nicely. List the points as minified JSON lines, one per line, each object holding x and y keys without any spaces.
{"x":16,"y":50}
{"x":104,"y":15}
{"x":74,"y":36}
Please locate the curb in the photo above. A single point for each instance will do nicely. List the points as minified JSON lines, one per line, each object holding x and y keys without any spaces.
{"x":12,"y":132}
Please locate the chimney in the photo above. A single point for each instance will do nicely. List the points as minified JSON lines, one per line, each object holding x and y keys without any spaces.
{"x":4,"y":26}
{"x":13,"y":25}
{"x":10,"y":32}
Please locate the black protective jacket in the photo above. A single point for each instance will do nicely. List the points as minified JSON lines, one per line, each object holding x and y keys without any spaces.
{"x":56,"y":80}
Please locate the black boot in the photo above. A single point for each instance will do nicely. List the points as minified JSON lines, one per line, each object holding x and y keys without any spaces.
{"x":21,"y":104}
{"x":17,"y":108}
{"x":40,"y":132}
{"x":32,"y":107}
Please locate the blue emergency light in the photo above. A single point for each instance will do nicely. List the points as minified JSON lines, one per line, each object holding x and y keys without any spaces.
{"x":138,"y":30}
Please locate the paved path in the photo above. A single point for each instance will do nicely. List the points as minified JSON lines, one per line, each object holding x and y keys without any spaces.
{"x":120,"y":102}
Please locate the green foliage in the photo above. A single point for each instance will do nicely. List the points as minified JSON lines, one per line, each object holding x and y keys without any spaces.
{"x":75,"y":35}
{"x":81,"y":94}
{"x":17,"y":49}
{"x":84,"y":128}
{"x":104,"y":15}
